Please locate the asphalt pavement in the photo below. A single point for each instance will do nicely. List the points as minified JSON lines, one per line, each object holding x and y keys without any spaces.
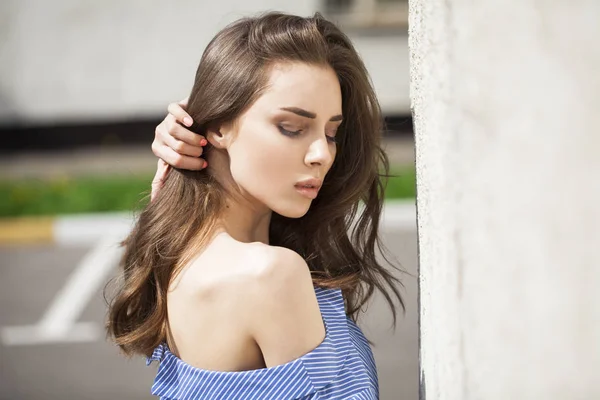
{"x":52,"y":312}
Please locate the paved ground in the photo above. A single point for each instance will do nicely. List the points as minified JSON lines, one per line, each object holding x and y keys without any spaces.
{"x":75,"y":363}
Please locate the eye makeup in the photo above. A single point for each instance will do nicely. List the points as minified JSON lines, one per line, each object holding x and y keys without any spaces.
{"x":289,"y":133}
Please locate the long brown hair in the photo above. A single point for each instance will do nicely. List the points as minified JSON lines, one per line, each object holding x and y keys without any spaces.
{"x":337,"y":236}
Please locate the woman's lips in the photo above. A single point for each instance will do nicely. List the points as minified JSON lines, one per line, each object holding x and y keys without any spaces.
{"x":311,"y":193}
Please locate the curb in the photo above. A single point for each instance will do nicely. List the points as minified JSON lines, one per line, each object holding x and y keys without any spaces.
{"x":69,"y":230}
{"x":88,"y":229}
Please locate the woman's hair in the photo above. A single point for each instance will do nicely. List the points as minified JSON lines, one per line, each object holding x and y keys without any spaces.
{"x":338,"y":246}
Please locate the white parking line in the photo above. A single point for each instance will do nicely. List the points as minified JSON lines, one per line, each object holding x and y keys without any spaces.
{"x":28,"y":335}
{"x":85,"y":229}
{"x":58,"y":323}
{"x":89,"y":275}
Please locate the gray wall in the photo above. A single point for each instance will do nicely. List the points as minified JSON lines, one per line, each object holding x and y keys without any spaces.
{"x":118,"y":59}
{"x":506,"y":99}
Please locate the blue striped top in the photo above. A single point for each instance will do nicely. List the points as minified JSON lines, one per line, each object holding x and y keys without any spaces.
{"x":341,"y":367}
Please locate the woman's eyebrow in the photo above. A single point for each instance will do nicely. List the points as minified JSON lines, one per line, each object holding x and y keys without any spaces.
{"x":308,"y":114}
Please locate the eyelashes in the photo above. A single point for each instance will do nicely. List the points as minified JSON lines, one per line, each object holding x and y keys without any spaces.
{"x":284,"y":131}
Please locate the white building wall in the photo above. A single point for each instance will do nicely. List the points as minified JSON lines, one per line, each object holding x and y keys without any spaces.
{"x":117,"y":59}
{"x":506,"y":98}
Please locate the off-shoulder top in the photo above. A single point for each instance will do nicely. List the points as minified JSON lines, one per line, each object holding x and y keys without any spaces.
{"x":341,"y":367}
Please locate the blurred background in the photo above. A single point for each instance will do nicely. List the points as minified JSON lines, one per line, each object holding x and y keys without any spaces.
{"x":82,"y":87}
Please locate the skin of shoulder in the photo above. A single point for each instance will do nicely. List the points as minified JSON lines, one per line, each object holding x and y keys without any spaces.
{"x":286,"y":319}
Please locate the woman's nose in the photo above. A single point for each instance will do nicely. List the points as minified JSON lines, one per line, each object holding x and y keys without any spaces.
{"x":320,"y":152}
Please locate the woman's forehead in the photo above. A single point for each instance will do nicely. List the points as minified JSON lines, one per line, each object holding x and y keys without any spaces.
{"x":310,"y":87}
{"x":297,"y":74}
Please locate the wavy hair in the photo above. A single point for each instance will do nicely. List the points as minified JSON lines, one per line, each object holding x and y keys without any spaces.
{"x":337,"y":236}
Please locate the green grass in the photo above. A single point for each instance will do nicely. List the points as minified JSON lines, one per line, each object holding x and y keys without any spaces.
{"x":101,"y":194}
{"x":71,"y":196}
{"x":403,"y":186}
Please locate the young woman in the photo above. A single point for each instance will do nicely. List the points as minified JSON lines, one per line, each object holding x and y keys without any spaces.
{"x":244,"y":278}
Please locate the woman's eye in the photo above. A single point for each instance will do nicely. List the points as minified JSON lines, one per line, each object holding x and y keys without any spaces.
{"x":288,"y":133}
{"x":331,"y":139}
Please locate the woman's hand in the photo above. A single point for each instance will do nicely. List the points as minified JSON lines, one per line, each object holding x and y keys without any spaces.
{"x":175,"y":145}
{"x":161,"y":172}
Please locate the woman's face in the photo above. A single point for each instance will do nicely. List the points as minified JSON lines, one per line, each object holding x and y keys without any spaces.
{"x":287,"y":136}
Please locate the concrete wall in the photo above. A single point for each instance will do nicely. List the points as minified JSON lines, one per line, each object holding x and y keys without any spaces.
{"x":114,"y":59}
{"x":506,"y":98}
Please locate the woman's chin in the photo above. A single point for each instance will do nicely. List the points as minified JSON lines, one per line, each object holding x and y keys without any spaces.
{"x":294,"y":212}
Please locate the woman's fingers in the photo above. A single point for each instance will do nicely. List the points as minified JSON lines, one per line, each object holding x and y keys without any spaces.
{"x":172,"y":128}
{"x":177,"y":111}
{"x":162,"y":169}
{"x":180,"y":146}
{"x":177,"y":160}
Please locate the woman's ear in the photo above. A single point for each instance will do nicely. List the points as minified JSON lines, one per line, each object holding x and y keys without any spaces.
{"x":220,"y":137}
{"x":216,"y":138}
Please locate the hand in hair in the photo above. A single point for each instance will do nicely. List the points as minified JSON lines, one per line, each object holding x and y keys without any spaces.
{"x":175,"y":144}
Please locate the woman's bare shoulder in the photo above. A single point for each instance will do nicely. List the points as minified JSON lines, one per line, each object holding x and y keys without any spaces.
{"x":228,"y":265}
{"x":247,"y":270}
{"x":286,"y":319}
{"x":270,"y":292}
{"x":275,"y":262}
